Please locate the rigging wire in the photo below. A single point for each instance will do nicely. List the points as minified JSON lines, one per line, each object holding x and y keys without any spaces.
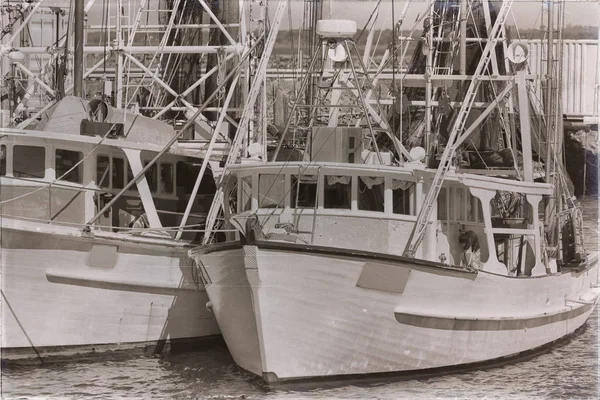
{"x":371,"y":17}
{"x":168,"y":72}
{"x":103,"y":38}
{"x":162,"y":44}
{"x":70,"y":169}
{"x":394,"y":60}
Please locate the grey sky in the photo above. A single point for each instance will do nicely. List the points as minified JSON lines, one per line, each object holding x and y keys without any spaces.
{"x":526,"y":13}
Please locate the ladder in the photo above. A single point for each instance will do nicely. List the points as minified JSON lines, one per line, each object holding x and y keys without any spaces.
{"x":447,"y":55}
{"x":440,"y":68}
{"x":247,"y":115}
{"x":416,"y":236}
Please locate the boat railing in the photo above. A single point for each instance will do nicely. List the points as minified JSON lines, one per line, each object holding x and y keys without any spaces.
{"x":108,"y":230}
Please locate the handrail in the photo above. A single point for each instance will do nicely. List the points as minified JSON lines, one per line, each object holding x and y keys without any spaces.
{"x":121,"y":229}
{"x":79,"y":188}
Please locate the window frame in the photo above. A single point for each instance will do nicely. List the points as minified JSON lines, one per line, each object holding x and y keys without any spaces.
{"x":156,"y":180}
{"x":80,"y":167}
{"x":408,"y":195}
{"x":4,"y":161}
{"x":295,"y":190}
{"x":47,"y":159}
{"x":109,"y":171}
{"x":160,"y":180}
{"x":381,"y":185}
{"x":332,"y":187}
{"x":318,"y":176}
{"x":109,"y":152}
{"x":279,"y":181}
{"x":123,"y":183}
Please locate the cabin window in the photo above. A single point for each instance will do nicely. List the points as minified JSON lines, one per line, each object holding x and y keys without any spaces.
{"x":271,"y":190}
{"x":130,"y":177}
{"x":338,"y":193}
{"x":246,"y":192}
{"x":29,"y":161}
{"x":67,"y":165}
{"x":370,"y":193}
{"x":459,"y":204}
{"x":442,"y":205}
{"x":187,"y":174}
{"x":508,"y":205}
{"x":166,"y":178}
{"x":151,"y":176}
{"x":118,"y":173}
{"x":351,"y":150}
{"x":103,"y":171}
{"x":3,"y":160}
{"x":401,"y":196}
{"x":304,"y":191}
{"x":474,"y":210}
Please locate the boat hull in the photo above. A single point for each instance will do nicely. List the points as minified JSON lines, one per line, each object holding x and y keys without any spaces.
{"x":322,"y":312}
{"x":63,"y":292}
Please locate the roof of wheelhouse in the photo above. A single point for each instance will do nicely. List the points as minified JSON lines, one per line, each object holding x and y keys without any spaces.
{"x":66,"y":116}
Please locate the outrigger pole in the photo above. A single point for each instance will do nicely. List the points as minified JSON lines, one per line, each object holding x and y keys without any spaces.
{"x":177,"y":135}
{"x":78,"y":53}
{"x":240,"y":134}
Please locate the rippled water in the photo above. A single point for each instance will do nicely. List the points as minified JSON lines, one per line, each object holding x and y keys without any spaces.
{"x":567,"y":370}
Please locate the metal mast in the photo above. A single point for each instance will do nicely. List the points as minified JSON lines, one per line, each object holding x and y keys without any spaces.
{"x":78,"y":54}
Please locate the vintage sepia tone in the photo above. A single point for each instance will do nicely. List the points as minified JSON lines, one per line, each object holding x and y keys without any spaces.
{"x":299,"y":198}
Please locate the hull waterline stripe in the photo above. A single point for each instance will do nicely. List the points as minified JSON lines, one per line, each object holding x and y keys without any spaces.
{"x":106,"y":281}
{"x":496,"y":324}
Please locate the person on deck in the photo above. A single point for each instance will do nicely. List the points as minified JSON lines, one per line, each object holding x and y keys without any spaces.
{"x":471,"y":251}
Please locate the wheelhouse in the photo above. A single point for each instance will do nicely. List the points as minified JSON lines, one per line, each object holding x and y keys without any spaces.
{"x":66,"y":179}
{"x":385,"y":201}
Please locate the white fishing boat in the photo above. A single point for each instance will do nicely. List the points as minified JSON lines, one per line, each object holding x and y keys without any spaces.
{"x":124,"y":280}
{"x":100,"y":200}
{"x":357,"y":261}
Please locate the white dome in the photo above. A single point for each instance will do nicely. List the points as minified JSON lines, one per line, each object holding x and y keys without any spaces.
{"x":336,"y":28}
{"x":417,"y":153}
{"x":255,"y":150}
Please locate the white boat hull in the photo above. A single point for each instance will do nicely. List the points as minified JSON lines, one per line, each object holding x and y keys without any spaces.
{"x":317,"y":312}
{"x":62,"y":291}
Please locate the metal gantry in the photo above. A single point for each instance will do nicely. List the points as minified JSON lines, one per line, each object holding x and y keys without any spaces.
{"x":134,"y":52}
{"x":424,"y":215}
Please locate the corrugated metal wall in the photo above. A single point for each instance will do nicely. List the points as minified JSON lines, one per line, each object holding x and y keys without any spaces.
{"x":580,"y":67}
